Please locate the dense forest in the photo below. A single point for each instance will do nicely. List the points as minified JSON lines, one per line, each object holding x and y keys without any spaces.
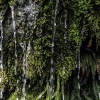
{"x":49,"y":49}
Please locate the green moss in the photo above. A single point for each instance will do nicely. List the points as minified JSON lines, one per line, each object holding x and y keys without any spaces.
{"x":81,"y":21}
{"x":2,"y":1}
{"x":12,"y":2}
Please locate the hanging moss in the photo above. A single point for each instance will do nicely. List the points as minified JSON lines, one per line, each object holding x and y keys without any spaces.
{"x":77,"y":31}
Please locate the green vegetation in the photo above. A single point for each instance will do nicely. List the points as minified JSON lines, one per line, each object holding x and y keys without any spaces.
{"x":76,"y":43}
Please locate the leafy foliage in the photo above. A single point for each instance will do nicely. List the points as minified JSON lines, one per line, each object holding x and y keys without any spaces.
{"x":77,"y":34}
